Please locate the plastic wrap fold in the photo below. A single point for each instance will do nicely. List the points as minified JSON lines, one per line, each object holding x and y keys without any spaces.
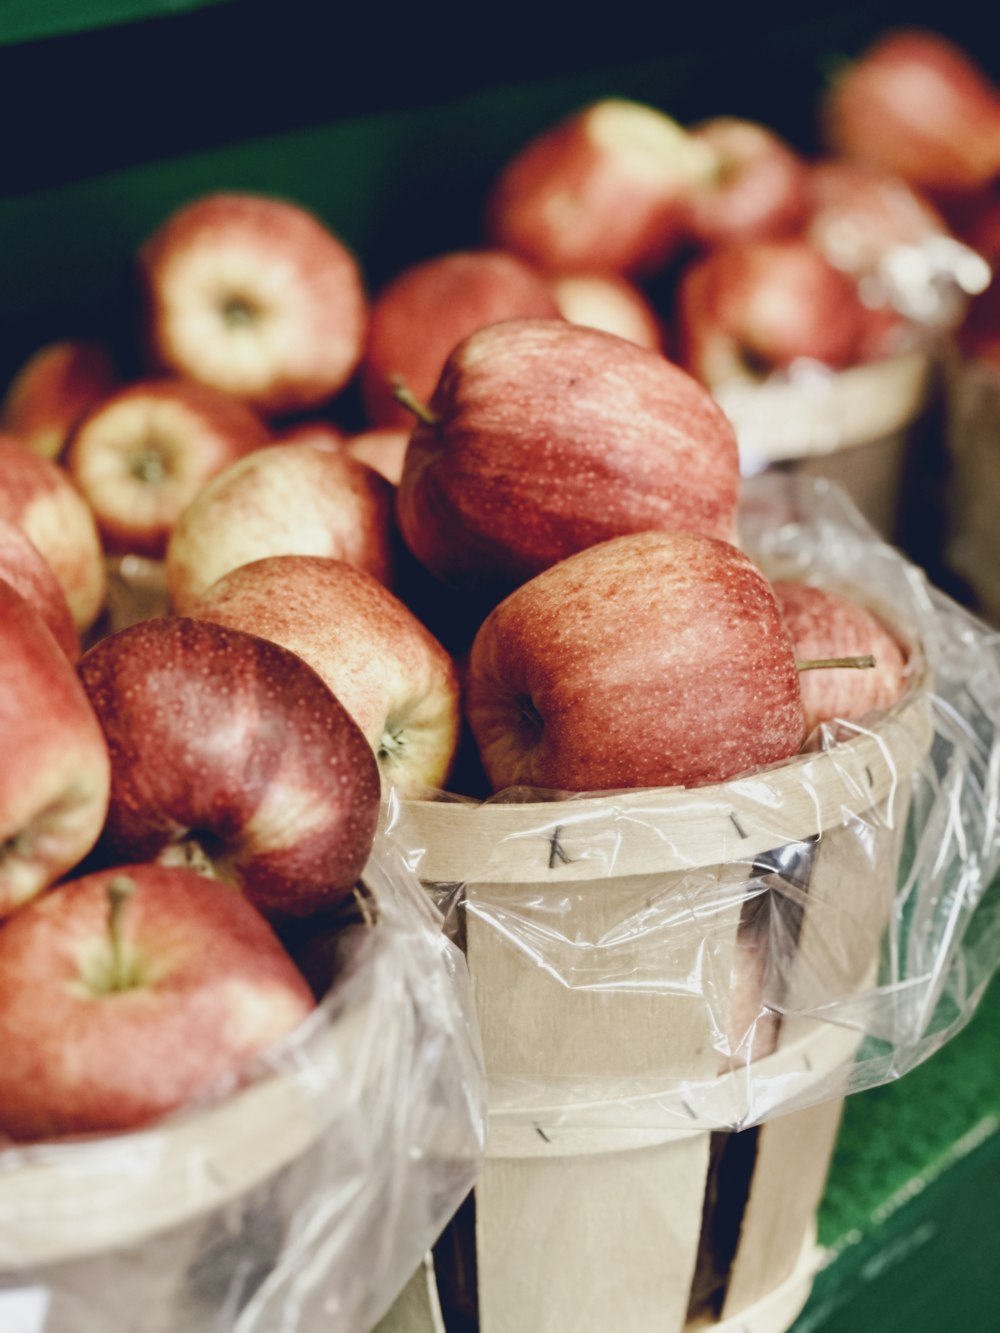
{"x":301,"y":1200}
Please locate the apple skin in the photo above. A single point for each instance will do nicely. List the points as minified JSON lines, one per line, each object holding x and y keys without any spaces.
{"x":255,"y":296}
{"x":750,"y":310}
{"x":140,"y":456}
{"x":235,"y":742}
{"x":758,"y":190}
{"x":610,"y":302}
{"x":56,"y":774}
{"x":39,"y":497}
{"x":28,"y":573}
{"x":550,"y":437}
{"x":600,"y":191}
{"x":211,"y":988}
{"x":53,"y":389}
{"x":823,"y":623}
{"x":418,"y":317}
{"x":384,"y":666}
{"x":919,"y":106}
{"x":284,"y":499}
{"x":384,"y":450}
{"x":655,"y":659}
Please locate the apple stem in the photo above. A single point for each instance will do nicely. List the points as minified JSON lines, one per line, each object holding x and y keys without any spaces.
{"x":119,"y":890}
{"x":420,"y":410}
{"x":815,"y":664}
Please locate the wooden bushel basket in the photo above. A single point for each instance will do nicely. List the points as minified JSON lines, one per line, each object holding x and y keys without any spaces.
{"x":852,"y":427}
{"x":603,"y":935}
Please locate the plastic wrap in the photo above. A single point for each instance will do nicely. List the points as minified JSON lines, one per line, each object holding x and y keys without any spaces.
{"x":303,"y":1200}
{"x":660,"y":961}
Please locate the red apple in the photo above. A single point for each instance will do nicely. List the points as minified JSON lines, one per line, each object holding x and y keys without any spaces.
{"x":420,"y":315}
{"x":129,"y":993}
{"x":383,"y":450}
{"x":55,"y":775}
{"x":600,"y":191}
{"x":824,"y":624}
{"x":918,"y":105}
{"x":759,"y":187}
{"x":53,"y":389}
{"x":610,"y":302}
{"x":140,"y":456}
{"x":285,"y":499}
{"x":655,"y":659}
{"x":749,"y":310}
{"x":255,"y":296}
{"x":544,"y":437}
{"x":39,"y":497}
{"x":232,"y":741}
{"x":28,"y":573}
{"x":388,"y":671}
{"x":320,"y":434}
{"x":979,"y":331}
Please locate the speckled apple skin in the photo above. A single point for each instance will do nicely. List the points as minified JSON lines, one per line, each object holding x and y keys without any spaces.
{"x":28,"y":573}
{"x":217,"y":732}
{"x":55,"y":775}
{"x":418,"y":317}
{"x":305,"y":281}
{"x":219,"y":989}
{"x":384,"y":666}
{"x":39,"y":497}
{"x":552,"y":437}
{"x":655,"y":659}
{"x":824,"y":623}
{"x":285,"y":499}
{"x":196,"y":430}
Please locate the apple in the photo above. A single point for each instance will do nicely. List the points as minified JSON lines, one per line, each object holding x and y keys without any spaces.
{"x":24,"y":568}
{"x":230,"y":741}
{"x":610,"y":302}
{"x":52,"y":390}
{"x":55,"y":776}
{"x":418,"y":317}
{"x":141,"y":455}
{"x":759,"y":187}
{"x":255,"y":296}
{"x":284,"y":499}
{"x":384,"y":450}
{"x":38,"y":496}
{"x":384,"y":666}
{"x":544,"y":437}
{"x":750,"y":310}
{"x":919,"y":106}
{"x":320,"y":434}
{"x":601,"y":190}
{"x":131,"y":992}
{"x":654,"y":659}
{"x":825,"y":624}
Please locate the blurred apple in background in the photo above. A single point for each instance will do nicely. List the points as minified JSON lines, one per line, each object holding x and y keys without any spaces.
{"x":612,"y":303}
{"x":600,"y":191}
{"x":55,"y":775}
{"x":418,"y":317}
{"x":38,"y":496}
{"x":825,"y":624}
{"x":320,"y":434}
{"x":28,"y":573}
{"x":128,"y":993}
{"x":285,"y":499}
{"x":232,"y":742}
{"x":53,"y":389}
{"x":140,"y":456}
{"x":749,"y":310}
{"x":656,"y":659}
{"x":544,"y":437}
{"x":759,"y":187}
{"x":384,"y":666}
{"x":919,"y":106}
{"x":384,"y":450}
{"x":254,"y":296}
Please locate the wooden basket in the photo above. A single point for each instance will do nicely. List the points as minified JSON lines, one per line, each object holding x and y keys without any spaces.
{"x":972,"y":534}
{"x":851,"y":427}
{"x":608,"y":1095}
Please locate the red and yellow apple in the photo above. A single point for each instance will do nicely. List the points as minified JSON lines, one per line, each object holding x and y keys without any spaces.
{"x":52,"y":390}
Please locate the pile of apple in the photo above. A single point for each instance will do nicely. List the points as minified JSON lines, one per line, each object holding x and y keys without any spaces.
{"x":523,"y":571}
